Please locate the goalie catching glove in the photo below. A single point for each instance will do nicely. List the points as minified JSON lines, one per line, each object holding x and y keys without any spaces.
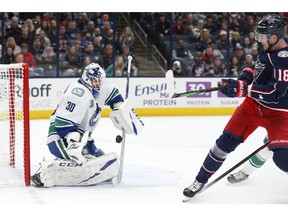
{"x":124,"y":117}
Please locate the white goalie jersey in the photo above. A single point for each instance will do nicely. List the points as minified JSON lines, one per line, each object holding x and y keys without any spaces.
{"x":80,"y":110}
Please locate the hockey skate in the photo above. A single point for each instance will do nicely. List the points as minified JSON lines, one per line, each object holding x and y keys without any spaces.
{"x":36,"y":180}
{"x":193,"y":189}
{"x":237,"y":177}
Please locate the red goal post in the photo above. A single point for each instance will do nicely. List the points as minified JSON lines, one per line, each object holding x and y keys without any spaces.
{"x":14,"y":125}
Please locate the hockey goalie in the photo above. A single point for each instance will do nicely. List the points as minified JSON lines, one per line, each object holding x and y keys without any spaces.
{"x":78,"y":161}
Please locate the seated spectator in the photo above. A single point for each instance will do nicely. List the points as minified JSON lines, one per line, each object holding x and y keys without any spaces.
{"x":217,"y":52}
{"x":117,"y":69}
{"x":208,"y":57}
{"x":28,"y":57}
{"x":72,"y":66}
{"x":189,"y":23}
{"x":83,"y":21}
{"x":246,"y":45}
{"x":108,"y":55}
{"x":14,"y":29}
{"x":204,"y":41}
{"x":182,"y":54}
{"x":63,"y":47}
{"x":248,"y":61}
{"x":253,"y":41}
{"x":217,"y":70}
{"x":221,"y":43}
{"x":110,"y":40}
{"x":254,"y":53}
{"x":72,"y":32}
{"x":86,"y":62}
{"x":98,"y":48}
{"x":36,"y":49}
{"x":51,"y":34}
{"x":239,"y":53}
{"x":33,"y":71}
{"x":12,"y":43}
{"x":31,"y":28}
{"x":90,"y":29}
{"x":48,"y":62}
{"x":235,"y":67}
{"x":198,"y":67}
{"x":178,"y":28}
{"x":235,"y":40}
{"x":9,"y":57}
{"x":44,"y":40}
{"x":95,"y":57}
{"x":127,"y":38}
{"x":210,"y":25}
{"x":44,"y":27}
{"x":196,"y":32}
{"x":24,"y":37}
{"x":37,"y":22}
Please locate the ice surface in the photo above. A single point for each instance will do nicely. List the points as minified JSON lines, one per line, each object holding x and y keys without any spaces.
{"x":158,"y":165}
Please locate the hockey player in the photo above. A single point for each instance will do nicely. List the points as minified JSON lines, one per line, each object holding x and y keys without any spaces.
{"x":254,"y":163}
{"x":79,"y":161}
{"x":265,"y":105}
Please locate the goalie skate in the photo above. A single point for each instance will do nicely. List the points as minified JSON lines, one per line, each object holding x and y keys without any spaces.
{"x":36,"y":180}
{"x":193,"y":189}
{"x":237,"y":177}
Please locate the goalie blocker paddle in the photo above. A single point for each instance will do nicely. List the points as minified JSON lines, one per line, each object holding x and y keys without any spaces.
{"x":171,"y":87}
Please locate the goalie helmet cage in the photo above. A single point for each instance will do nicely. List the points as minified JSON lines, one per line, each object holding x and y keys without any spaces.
{"x":14,"y":125}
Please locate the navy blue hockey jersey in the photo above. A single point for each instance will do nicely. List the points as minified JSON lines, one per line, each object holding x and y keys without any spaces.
{"x":270,"y":83}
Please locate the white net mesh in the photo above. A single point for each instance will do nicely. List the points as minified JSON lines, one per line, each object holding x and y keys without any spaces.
{"x":12,"y":148}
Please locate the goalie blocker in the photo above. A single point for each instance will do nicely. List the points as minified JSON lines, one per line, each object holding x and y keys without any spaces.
{"x":126,"y":118}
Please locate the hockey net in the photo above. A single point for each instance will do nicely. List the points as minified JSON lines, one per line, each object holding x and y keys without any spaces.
{"x":14,"y":125}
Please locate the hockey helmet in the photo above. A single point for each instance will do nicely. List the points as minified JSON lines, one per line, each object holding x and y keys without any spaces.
{"x":93,"y":76}
{"x":271,"y":24}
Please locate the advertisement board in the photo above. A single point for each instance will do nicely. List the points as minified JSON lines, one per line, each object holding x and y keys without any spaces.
{"x":149,"y":96}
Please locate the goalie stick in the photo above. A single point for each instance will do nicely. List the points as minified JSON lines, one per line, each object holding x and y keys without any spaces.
{"x":121,"y":159}
{"x":228,"y":171}
{"x":171,"y":87}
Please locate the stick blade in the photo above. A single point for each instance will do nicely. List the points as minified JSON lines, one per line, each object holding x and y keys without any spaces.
{"x":170,"y":83}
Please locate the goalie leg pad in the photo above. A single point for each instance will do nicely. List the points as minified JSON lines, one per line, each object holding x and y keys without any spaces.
{"x":69,"y":173}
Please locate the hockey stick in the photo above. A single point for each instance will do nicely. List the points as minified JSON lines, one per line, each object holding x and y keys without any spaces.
{"x":230,"y":170}
{"x":171,"y":87}
{"x":121,"y":159}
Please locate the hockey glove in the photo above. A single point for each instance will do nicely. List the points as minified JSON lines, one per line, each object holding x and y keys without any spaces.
{"x":235,"y":88}
{"x":247,"y":74}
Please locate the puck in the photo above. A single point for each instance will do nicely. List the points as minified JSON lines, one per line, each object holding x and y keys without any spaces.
{"x":118,"y":139}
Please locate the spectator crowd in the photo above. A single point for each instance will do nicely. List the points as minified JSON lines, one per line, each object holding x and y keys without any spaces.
{"x":194,"y":44}
{"x":80,"y":39}
{"x":204,"y":44}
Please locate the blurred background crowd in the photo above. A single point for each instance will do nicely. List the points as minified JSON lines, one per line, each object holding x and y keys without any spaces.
{"x":191,"y":44}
